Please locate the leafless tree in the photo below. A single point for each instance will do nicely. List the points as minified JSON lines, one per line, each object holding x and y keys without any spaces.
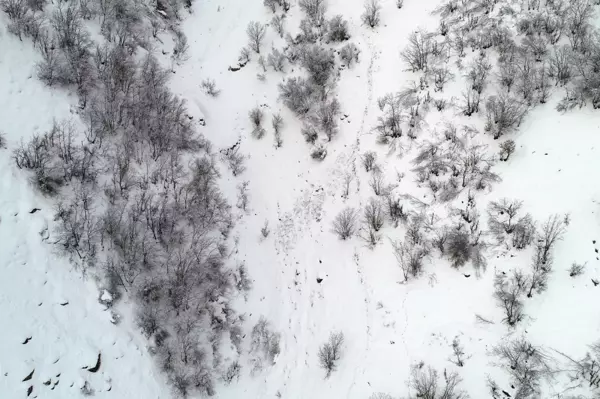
{"x":560,"y":65}
{"x":508,"y":293}
{"x":507,"y":148}
{"x":373,"y":214}
{"x":349,"y":54}
{"x":471,"y":101}
{"x":338,"y":29}
{"x":369,"y":159}
{"x":314,"y":9}
{"x":327,"y":116}
{"x":371,"y":15}
{"x":504,"y":114}
{"x":256,"y":33}
{"x":210,"y":87}
{"x":330,"y":352}
{"x":277,"y":123}
{"x":410,"y":258}
{"x":418,"y":51}
{"x":276,"y":60}
{"x":256,"y":117}
{"x":278,"y":23}
{"x":344,"y":224}
{"x":526,"y":364}
{"x":425,"y":384}
{"x":576,"y":269}
{"x":458,"y":353}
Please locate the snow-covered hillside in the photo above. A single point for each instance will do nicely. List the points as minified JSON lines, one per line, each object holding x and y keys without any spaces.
{"x":58,"y":340}
{"x":475,"y":312}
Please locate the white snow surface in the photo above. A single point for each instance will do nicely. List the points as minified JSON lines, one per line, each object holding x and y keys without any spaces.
{"x":51,"y":320}
{"x":388,"y":325}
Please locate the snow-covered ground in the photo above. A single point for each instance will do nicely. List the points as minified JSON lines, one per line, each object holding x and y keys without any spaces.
{"x":306,"y":281}
{"x":54,"y":329}
{"x":388,"y":326}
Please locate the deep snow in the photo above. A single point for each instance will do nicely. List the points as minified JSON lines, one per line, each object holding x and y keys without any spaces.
{"x":388,"y":325}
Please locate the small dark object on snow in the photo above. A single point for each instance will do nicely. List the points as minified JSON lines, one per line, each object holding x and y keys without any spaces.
{"x":34,"y":210}
{"x":320,"y":261}
{"x":98,"y":363}
{"x":594,"y":241}
{"x":319,"y":280}
{"x":506,"y":393}
{"x":29,"y":390}
{"x":596,"y":249}
{"x":595,"y":282}
{"x":47,"y":382}
{"x":65,"y":303}
{"x":29,"y":376}
{"x":467,"y":275}
{"x":26,"y":341}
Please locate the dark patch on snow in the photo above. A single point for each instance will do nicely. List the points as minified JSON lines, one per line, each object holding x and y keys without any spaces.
{"x":34,"y":210}
{"x":29,"y":376}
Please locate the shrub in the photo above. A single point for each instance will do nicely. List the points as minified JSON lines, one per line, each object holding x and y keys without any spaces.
{"x":256,"y":33}
{"x":264,"y":346}
{"x":369,"y":160}
{"x":418,"y":51}
{"x":256,"y":117}
{"x":372,"y":13}
{"x":331,"y":352}
{"x":210,"y":87}
{"x":344,"y":224}
{"x":297,"y":95}
{"x":349,"y":54}
{"x":504,"y":114}
{"x":373,"y":214}
{"x":576,"y":269}
{"x":338,"y":29}
{"x":507,"y":148}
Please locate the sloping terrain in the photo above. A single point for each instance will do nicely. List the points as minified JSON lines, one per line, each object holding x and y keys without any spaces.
{"x":438,"y":289}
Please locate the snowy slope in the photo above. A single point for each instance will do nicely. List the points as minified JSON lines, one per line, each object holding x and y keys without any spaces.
{"x":53,"y":326}
{"x":388,"y":325}
{"x":306,"y":282}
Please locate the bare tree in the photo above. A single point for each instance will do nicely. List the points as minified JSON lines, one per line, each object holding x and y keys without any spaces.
{"x":330,"y":352}
{"x":256,"y":33}
{"x":371,"y":15}
{"x":369,"y":159}
{"x":504,"y":114}
{"x":277,"y":123}
{"x":576,"y":269}
{"x":507,"y":148}
{"x":327,"y":116}
{"x":508,"y":293}
{"x":526,"y":364}
{"x":425,"y":384}
{"x":314,"y":9}
{"x":410,"y":258}
{"x":278,"y":23}
{"x":552,"y":231}
{"x":210,"y":87}
{"x":458,"y":353}
{"x":256,"y":117}
{"x":276,"y":60}
{"x":373,"y":214}
{"x":338,"y":29}
{"x":417,"y":53}
{"x":344,"y":224}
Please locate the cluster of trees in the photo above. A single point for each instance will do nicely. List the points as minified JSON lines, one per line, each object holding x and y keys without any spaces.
{"x":136,"y":186}
{"x":452,"y":164}
{"x":511,"y":288}
{"x":311,"y":97}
